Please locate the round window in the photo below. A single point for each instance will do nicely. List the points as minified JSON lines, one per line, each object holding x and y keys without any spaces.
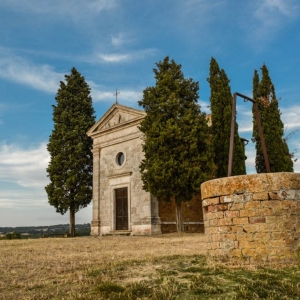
{"x":120,"y":158}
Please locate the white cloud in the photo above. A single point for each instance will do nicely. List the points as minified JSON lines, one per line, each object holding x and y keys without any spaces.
{"x":39,"y":77}
{"x":25,"y":167}
{"x":291,"y":117}
{"x":269,"y":7}
{"x":77,"y":9}
{"x":119,"y":57}
{"x":271,"y":16}
{"x":115,"y":58}
{"x":125,"y":96}
{"x":23,"y":199}
{"x":119,"y":40}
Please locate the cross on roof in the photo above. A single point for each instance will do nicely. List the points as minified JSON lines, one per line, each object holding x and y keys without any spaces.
{"x":116,"y":94}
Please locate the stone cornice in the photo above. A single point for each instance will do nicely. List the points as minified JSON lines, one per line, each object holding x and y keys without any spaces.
{"x":117,"y":127}
{"x":119,"y":175}
{"x":119,"y":140}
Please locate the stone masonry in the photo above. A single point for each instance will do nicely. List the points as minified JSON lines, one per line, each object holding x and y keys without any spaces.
{"x":252,"y":219}
{"x":117,"y":133}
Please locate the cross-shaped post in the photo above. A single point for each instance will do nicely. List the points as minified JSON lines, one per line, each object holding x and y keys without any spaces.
{"x":116,"y":94}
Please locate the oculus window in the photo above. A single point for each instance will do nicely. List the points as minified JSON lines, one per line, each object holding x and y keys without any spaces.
{"x":120,"y":158}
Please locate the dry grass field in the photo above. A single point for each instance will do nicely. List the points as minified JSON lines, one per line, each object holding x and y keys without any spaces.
{"x":132,"y":267}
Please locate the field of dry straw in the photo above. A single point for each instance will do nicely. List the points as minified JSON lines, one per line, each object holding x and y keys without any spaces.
{"x":59,"y":268}
{"x":170,"y":266}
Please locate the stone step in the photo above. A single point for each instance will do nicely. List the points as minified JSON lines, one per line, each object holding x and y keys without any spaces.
{"x":119,"y":232}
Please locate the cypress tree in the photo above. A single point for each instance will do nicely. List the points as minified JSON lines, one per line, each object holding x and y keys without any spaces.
{"x":177,"y":156}
{"x":221,"y":108}
{"x":272,"y":126}
{"x":70,"y":167}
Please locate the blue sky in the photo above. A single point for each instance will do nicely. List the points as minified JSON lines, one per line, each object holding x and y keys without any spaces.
{"x":115,"y":44}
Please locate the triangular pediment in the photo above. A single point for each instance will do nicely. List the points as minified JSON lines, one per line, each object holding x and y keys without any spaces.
{"x":116,"y":117}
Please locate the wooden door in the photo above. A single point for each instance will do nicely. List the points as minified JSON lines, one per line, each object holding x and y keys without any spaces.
{"x":121,"y":209}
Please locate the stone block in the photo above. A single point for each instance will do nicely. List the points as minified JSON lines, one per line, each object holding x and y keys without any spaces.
{"x":216,"y":237}
{"x":267,"y":211}
{"x":221,"y":207}
{"x":260,"y":196}
{"x":251,"y":228}
{"x":267,"y":227}
{"x":235,"y":228}
{"x":232,"y":214}
{"x":225,"y":221}
{"x":238,"y":198}
{"x":265,"y":236}
{"x":225,"y":229}
{"x":273,"y":196}
{"x":210,"y":208}
{"x":210,"y":201}
{"x":249,"y":237}
{"x":278,"y":235}
{"x":226,"y":199}
{"x":252,"y":205}
{"x":287,"y":194}
{"x":276,"y":204}
{"x":253,"y":220}
{"x":214,"y":222}
{"x":228,"y":244}
{"x":236,"y":206}
{"x":247,"y":213}
{"x":239,"y":221}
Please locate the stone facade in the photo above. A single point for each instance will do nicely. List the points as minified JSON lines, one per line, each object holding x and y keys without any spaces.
{"x":117,"y":153}
{"x":117,"y":132}
{"x":252,"y":219}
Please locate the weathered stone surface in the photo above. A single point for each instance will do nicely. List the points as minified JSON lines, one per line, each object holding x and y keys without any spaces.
{"x":260,"y":183}
{"x":262,"y":221}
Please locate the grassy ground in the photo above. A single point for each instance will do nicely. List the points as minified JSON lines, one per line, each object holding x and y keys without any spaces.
{"x":157,"y":267}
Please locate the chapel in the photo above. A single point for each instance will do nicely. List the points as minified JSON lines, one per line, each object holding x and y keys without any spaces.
{"x":120,"y":205}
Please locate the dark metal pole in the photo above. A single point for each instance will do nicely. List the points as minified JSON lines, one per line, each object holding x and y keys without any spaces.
{"x":261,"y":135}
{"x":262,"y":139}
{"x":233,"y":113}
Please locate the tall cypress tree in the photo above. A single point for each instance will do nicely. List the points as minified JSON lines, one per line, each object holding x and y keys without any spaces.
{"x":272,"y":126}
{"x":221,"y":108}
{"x":70,"y":167}
{"x":177,"y":156}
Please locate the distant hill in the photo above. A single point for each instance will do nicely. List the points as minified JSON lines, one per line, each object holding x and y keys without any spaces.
{"x":39,"y":231}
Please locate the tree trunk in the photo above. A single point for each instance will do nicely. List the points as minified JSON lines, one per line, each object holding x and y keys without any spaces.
{"x":179,"y":222}
{"x":72,"y":223}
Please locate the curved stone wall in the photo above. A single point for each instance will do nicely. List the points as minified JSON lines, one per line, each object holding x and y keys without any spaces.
{"x":252,"y":218}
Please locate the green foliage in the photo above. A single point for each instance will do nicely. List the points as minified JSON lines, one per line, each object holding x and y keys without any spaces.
{"x":221,"y":109}
{"x":272,"y":126}
{"x":70,"y":167}
{"x":177,"y":155}
{"x":12,"y":236}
